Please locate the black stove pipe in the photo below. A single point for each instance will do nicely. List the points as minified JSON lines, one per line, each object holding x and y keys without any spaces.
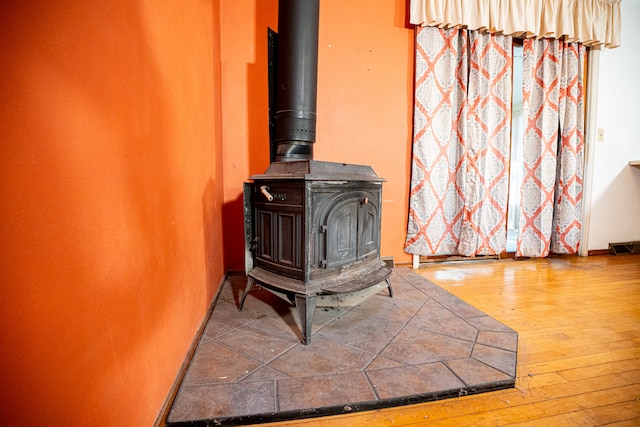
{"x":297,"y":79}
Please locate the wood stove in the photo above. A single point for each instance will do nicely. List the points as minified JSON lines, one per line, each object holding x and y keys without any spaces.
{"x":311,"y":228}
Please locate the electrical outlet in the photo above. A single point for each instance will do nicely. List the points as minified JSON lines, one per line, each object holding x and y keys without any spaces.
{"x":600,"y":134}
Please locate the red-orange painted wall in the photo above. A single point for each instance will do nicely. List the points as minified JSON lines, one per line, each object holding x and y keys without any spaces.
{"x":127,"y":131}
{"x":111,"y":204}
{"x":364,"y":110}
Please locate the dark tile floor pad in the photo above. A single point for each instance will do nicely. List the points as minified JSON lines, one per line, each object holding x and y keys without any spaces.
{"x":423,"y":344}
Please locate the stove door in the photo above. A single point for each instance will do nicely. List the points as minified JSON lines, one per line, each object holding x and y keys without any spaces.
{"x":368,"y":230}
{"x":278,"y":227}
{"x":352,"y":228}
{"x":342,"y":234}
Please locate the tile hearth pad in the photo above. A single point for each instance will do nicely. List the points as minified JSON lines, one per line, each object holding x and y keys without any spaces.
{"x":423,"y":344}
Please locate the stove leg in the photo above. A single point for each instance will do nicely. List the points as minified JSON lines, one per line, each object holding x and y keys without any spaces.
{"x":389,"y":286}
{"x":306,"y":306}
{"x":247,"y":288}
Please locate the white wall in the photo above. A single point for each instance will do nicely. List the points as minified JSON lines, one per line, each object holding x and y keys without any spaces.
{"x":615,"y":197}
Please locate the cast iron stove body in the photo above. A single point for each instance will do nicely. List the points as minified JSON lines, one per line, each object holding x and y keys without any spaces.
{"x":312,"y":228}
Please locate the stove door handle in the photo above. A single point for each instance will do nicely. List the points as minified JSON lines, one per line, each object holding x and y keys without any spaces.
{"x":265,"y":190}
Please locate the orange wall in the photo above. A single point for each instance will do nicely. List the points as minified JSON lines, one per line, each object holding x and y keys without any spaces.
{"x":111,"y":189}
{"x":364,"y":110}
{"x":116,"y":226}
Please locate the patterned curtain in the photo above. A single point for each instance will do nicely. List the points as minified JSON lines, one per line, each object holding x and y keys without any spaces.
{"x":438,"y":163}
{"x":551,"y":204}
{"x":484,"y":222}
{"x":459,"y":181}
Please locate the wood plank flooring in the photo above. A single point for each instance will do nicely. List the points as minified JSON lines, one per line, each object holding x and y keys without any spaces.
{"x":578,"y":321}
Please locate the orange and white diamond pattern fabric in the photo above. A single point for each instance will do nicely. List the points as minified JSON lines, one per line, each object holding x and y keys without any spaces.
{"x":438,"y":163}
{"x":553,"y":148}
{"x":567,"y":220}
{"x":484,"y":220}
{"x":459,"y":177}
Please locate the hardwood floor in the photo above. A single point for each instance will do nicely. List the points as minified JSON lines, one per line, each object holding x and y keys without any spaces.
{"x":578,"y":322}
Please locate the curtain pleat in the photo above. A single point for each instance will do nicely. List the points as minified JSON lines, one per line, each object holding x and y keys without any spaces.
{"x":551,"y":194}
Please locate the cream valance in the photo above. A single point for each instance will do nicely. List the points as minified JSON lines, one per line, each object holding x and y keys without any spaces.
{"x":591,"y":22}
